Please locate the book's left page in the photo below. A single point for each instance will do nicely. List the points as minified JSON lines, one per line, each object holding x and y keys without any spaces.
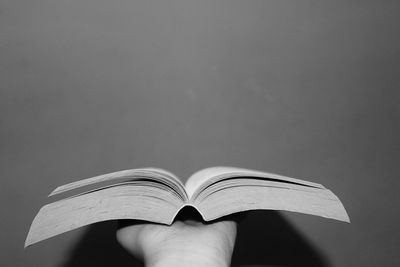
{"x":141,"y":200}
{"x":150,"y":194}
{"x":104,"y":180}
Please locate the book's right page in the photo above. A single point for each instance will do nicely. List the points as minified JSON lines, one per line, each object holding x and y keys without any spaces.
{"x":220,"y":191}
{"x":203,"y":178}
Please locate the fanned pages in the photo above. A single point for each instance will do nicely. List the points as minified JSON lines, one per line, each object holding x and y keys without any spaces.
{"x":157,"y":195}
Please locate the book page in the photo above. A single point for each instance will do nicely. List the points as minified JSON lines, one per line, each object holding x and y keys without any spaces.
{"x":199,"y":180}
{"x":133,"y":200}
{"x":105,"y":180}
{"x":231,"y":199}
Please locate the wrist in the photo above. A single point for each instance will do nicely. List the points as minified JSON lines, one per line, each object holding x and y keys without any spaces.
{"x":212,"y":249}
{"x":189,"y":259}
{"x":184,"y":243}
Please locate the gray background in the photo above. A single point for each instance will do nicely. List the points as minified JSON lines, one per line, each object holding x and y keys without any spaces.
{"x":308,"y":89}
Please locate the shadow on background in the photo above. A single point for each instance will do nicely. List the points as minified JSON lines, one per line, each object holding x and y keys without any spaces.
{"x":265,"y":238}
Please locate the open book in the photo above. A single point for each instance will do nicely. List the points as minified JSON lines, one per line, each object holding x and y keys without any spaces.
{"x":157,"y":195}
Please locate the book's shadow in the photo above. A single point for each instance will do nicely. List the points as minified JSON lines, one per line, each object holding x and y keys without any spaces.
{"x":265,"y":238}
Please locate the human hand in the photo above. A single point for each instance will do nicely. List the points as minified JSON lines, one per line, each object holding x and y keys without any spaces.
{"x":187,"y":242}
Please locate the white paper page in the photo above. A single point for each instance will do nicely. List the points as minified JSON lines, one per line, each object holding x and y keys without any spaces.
{"x":197,"y":179}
